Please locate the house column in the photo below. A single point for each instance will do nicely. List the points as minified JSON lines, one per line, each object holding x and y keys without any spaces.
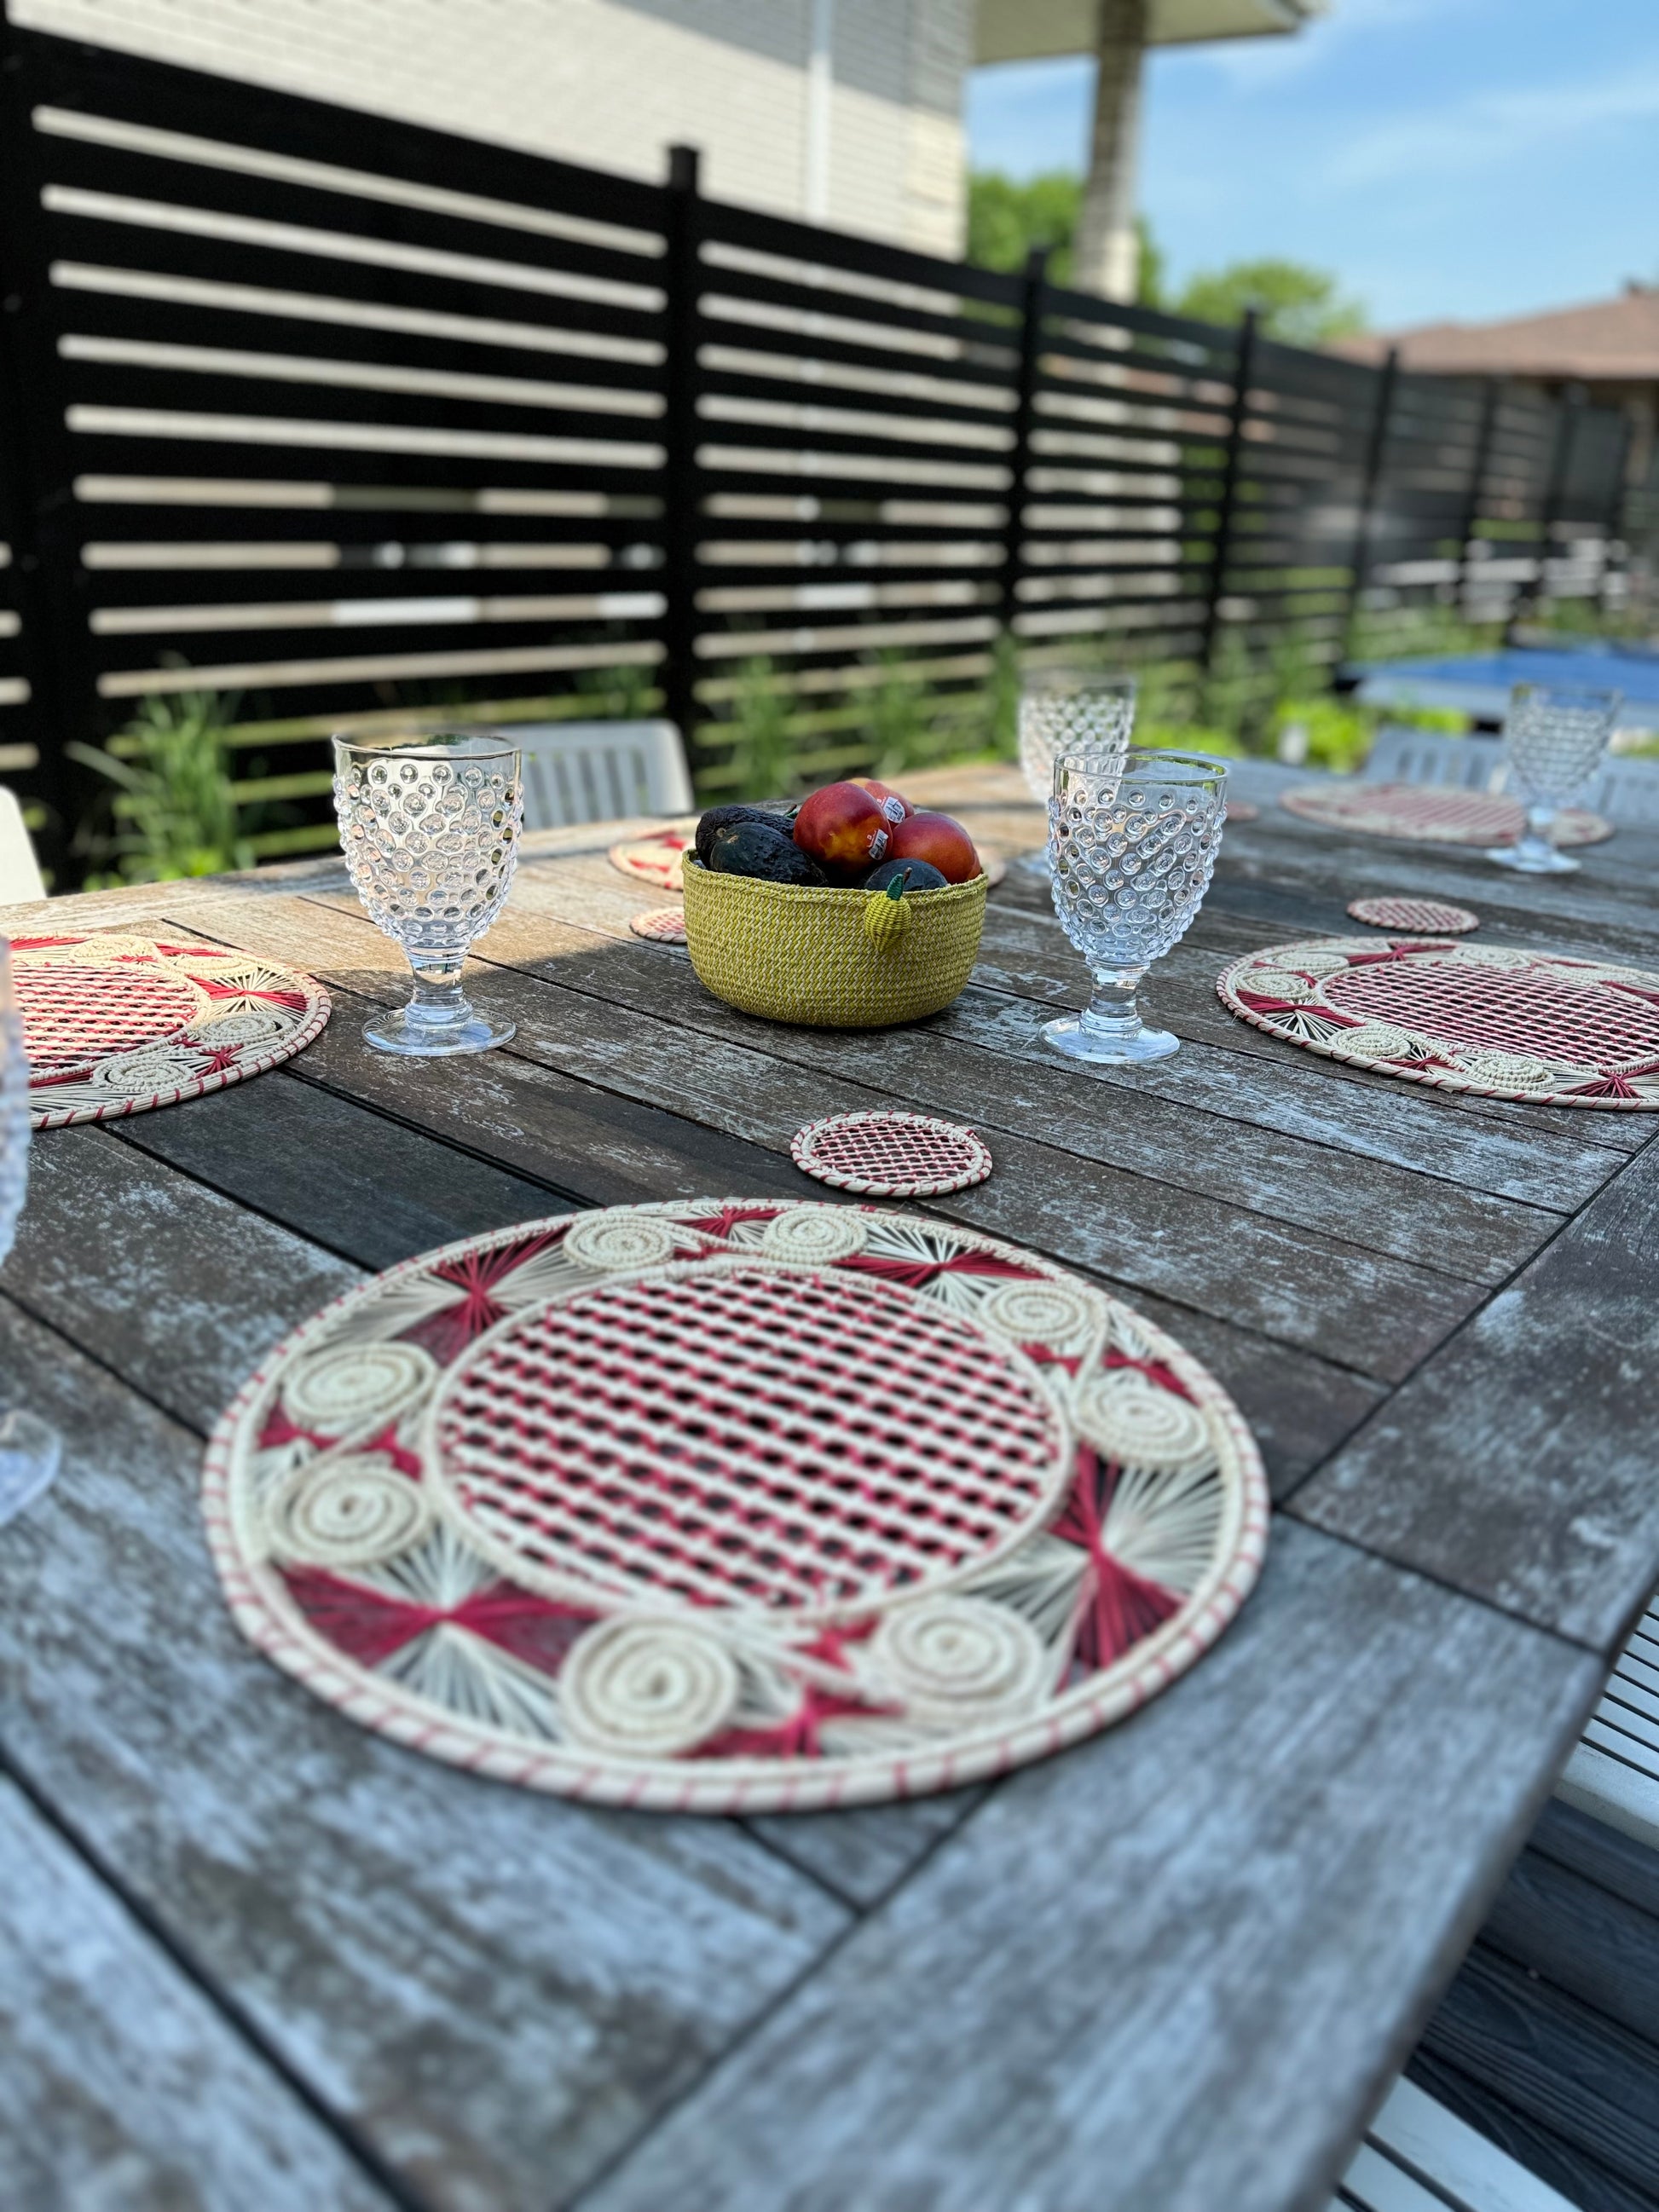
{"x":1106,"y":256}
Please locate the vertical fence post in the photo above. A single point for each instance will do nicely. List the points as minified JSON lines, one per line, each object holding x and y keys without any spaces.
{"x":1376,"y":455}
{"x":681,"y":486}
{"x":1243,"y":371}
{"x":1483,"y":442}
{"x":37,"y":475}
{"x":1033,"y":306}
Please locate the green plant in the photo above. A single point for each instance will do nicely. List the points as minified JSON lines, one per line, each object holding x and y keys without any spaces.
{"x":761,"y":749}
{"x":1324,"y":733}
{"x":1002,"y":697}
{"x":898,"y":719}
{"x":1300,"y":306}
{"x":173,"y":810}
{"x":623,"y":694}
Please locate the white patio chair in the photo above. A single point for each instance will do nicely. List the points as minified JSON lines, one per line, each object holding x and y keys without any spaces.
{"x":1420,"y":2157}
{"x":20,"y":871}
{"x":600,"y":771}
{"x":1623,"y":790}
{"x":1614,"y":1773}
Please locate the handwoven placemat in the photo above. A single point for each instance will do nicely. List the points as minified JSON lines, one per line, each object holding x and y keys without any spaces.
{"x":662,"y":925}
{"x":1508,"y":1025}
{"x":1433,"y":814}
{"x":1433,"y":917}
{"x":891,"y":1155}
{"x":655,"y":858}
{"x":733,"y":1504}
{"x":115,"y":1024}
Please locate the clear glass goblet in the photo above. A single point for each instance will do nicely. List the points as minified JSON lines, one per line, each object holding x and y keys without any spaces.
{"x":1069,"y":715}
{"x":430,"y":828}
{"x":1133,"y":839}
{"x":1553,"y":739}
{"x":29,"y":1449}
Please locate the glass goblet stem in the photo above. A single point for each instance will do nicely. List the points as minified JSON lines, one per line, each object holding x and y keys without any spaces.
{"x":1112,"y":1011}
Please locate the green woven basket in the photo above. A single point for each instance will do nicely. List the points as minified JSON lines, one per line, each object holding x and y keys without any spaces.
{"x":795,"y":955}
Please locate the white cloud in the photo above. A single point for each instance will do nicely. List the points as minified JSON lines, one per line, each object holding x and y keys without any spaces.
{"x":1491,"y":127}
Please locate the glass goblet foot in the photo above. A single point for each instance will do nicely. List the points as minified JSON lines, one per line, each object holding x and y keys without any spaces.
{"x":1110,"y":1030}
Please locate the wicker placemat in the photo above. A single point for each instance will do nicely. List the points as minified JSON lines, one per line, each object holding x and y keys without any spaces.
{"x":655,"y":858}
{"x":1433,"y":814}
{"x":733,"y":1504}
{"x":1508,"y":1025}
{"x":1242,"y":810}
{"x":1430,"y":917}
{"x":115,"y":1024}
{"x":662,"y":925}
{"x":891,"y":1155}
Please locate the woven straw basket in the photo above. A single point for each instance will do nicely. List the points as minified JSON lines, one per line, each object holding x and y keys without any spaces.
{"x":796,"y":955}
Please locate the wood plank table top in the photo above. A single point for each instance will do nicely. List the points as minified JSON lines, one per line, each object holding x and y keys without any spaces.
{"x":253,"y":1956}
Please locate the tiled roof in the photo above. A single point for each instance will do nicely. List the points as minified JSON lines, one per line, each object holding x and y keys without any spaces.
{"x":1608,"y":341}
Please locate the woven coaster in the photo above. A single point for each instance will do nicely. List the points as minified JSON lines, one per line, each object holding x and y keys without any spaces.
{"x":115,"y":1024}
{"x":664,"y":925}
{"x":1430,"y":917}
{"x":891,"y":1155}
{"x":1433,"y":814}
{"x":1242,"y":810}
{"x":1507,"y":1025}
{"x":655,"y":860}
{"x":733,"y":1506}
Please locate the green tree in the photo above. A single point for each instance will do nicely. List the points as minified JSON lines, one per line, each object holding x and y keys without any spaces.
{"x":1301,"y":306}
{"x":1005,"y":220}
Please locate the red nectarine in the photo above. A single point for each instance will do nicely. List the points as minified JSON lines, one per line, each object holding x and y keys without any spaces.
{"x":893,"y":804}
{"x":843,"y":826}
{"x":943,"y":843}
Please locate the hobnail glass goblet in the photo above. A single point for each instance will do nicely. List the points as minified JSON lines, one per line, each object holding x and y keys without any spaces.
{"x":29,"y":1449}
{"x":1134,"y":840}
{"x":1069,"y":715}
{"x":430,"y":828}
{"x":1553,"y":739}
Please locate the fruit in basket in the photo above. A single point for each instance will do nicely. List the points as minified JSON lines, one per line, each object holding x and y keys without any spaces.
{"x":843,"y":827}
{"x":720,"y":818}
{"x":893,"y":804}
{"x":761,"y":848}
{"x":939,"y":840}
{"x":916,"y":875}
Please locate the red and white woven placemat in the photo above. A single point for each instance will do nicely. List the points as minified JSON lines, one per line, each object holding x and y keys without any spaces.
{"x":655,"y":858}
{"x":732,"y":1505}
{"x":1507,"y":1025}
{"x":662,"y":925}
{"x":115,"y":1024}
{"x":1422,"y":917}
{"x":1433,"y":814}
{"x":891,"y":1155}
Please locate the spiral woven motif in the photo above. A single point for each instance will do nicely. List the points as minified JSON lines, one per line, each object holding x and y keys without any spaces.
{"x":115,"y":1023}
{"x":733,"y":1504}
{"x":1433,"y":814}
{"x":1496,"y":1019}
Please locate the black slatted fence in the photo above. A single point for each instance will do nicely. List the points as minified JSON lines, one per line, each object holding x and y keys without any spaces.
{"x":351,"y":421}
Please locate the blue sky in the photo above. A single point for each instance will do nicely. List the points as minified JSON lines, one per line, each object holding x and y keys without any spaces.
{"x":1458,"y":158}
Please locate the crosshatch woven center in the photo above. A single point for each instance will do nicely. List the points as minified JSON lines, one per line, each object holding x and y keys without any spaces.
{"x":1515,"y":1010}
{"x":764,"y":1438}
{"x":75,"y":1016}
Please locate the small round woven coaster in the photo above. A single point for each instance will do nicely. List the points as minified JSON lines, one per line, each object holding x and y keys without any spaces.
{"x":655,"y":858}
{"x":1431,"y":917}
{"x":662,"y":925}
{"x":1433,"y":814}
{"x":115,"y":1024}
{"x":885,"y":1155}
{"x":733,"y":1506}
{"x":1242,"y":810}
{"x":1508,"y":1025}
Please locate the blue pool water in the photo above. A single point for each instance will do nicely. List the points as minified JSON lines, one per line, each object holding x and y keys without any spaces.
{"x":1479,"y":682}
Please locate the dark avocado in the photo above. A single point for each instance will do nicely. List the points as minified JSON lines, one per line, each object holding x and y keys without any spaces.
{"x":776,"y":815}
{"x":922,"y":874}
{"x":761,"y":848}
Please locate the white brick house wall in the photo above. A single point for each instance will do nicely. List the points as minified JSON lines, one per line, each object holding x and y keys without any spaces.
{"x":614,"y":82}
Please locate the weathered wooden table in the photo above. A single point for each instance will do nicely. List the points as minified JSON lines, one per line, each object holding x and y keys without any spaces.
{"x":251,"y":1957}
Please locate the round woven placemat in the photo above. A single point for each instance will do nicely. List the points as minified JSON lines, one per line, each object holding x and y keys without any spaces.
{"x":1431,"y":917}
{"x":115,"y":1024}
{"x":1507,"y":1025}
{"x":655,"y":858}
{"x":1433,"y":814}
{"x":732,"y":1505}
{"x":1242,"y":810}
{"x":891,"y":1155}
{"x":662,"y":925}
